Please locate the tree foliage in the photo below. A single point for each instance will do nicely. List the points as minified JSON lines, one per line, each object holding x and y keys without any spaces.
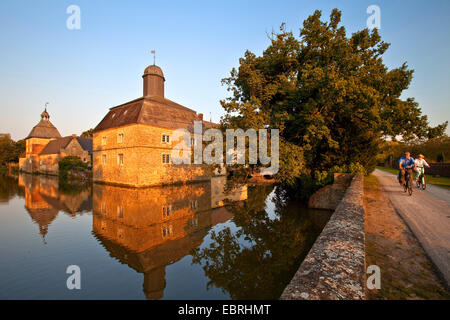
{"x":88,"y":133}
{"x":10,"y":150}
{"x":257,"y":259}
{"x":70,"y":163}
{"x":330,"y":95}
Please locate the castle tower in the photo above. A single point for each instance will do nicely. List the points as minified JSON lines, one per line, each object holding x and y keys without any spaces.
{"x":41,"y":134}
{"x":153,"y":81}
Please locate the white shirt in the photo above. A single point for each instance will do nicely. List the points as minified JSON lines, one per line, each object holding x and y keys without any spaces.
{"x":421,"y":162}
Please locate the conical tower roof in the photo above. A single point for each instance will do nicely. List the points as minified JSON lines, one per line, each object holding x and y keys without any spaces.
{"x":44,"y":129}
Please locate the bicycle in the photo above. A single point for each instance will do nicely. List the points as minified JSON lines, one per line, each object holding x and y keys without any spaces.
{"x":421,"y":183}
{"x":408,"y":181}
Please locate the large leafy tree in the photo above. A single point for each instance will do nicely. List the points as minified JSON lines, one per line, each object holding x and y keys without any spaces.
{"x":330,"y":95}
{"x":10,"y":150}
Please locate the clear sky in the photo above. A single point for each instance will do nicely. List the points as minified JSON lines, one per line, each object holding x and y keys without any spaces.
{"x":82,"y":73}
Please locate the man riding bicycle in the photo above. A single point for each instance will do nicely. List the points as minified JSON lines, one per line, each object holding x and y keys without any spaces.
{"x":420,"y":163}
{"x":406,"y":162}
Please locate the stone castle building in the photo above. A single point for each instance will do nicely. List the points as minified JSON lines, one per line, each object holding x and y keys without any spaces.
{"x":45,"y":147}
{"x":133,"y":142}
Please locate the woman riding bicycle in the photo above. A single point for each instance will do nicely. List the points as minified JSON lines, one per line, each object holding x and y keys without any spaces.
{"x":420,"y":166}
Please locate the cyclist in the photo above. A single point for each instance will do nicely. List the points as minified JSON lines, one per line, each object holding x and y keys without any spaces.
{"x":403,"y":163}
{"x":420,"y":163}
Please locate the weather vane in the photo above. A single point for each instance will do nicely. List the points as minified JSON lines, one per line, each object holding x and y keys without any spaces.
{"x":154,"y":57}
{"x":46,"y":106}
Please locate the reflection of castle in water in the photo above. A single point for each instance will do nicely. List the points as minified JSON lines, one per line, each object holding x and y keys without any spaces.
{"x":149,"y":229}
{"x":44,"y":200}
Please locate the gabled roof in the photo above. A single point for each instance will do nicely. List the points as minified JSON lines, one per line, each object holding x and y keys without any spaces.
{"x":55,"y":146}
{"x":44,"y":129}
{"x":151,"y":110}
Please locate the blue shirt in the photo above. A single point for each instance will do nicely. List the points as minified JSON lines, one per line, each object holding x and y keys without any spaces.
{"x":406,"y":162}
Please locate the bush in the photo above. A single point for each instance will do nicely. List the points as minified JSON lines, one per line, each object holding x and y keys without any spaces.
{"x":69,"y":163}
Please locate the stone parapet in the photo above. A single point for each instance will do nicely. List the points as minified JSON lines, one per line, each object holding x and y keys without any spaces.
{"x":335,"y":266}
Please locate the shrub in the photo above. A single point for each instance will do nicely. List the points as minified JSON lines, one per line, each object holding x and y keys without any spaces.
{"x":71,"y":163}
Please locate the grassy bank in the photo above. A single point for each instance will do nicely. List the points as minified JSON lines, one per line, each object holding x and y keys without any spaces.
{"x":441,"y":181}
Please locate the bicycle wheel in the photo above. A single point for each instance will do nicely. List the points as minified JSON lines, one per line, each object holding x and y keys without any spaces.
{"x":424,"y":184}
{"x":410,"y":189}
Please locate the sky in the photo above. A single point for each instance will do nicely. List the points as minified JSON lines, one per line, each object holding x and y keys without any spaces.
{"x":84,"y":72}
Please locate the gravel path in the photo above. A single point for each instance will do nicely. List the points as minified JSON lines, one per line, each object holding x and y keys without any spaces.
{"x":427,"y":213}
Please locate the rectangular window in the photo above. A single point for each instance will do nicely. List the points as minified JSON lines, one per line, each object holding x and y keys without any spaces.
{"x":165,"y":138}
{"x":104,"y":158}
{"x":166,"y":211}
{"x":120,"y":159}
{"x":120,"y":212}
{"x":166,"y":231}
{"x":166,"y":158}
{"x":104,"y":141}
{"x":120,"y":138}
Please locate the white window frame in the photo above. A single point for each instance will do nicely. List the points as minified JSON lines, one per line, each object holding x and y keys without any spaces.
{"x":120,"y":159}
{"x":165,"y":138}
{"x":104,"y":140}
{"x":165,"y":156}
{"x":120,"y":137}
{"x":104,"y":159}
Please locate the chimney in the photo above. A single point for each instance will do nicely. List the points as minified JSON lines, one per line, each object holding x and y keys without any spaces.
{"x":200,"y":116}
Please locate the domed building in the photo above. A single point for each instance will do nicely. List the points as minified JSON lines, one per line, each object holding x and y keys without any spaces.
{"x":45,"y":147}
{"x":133,"y":142}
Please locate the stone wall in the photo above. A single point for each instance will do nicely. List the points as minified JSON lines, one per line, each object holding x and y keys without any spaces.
{"x":335,"y":266}
{"x":142,"y":149}
{"x":331,"y":195}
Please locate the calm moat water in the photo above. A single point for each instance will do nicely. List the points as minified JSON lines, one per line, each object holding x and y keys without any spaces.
{"x":177,"y":242}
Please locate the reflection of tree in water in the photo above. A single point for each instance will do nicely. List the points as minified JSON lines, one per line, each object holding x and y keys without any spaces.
{"x":9,"y":188}
{"x":258,"y":260}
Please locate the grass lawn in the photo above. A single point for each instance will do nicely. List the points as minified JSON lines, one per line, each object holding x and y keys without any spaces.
{"x":442,"y":181}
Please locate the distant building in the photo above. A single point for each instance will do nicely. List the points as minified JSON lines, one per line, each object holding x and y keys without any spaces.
{"x":45,"y":147}
{"x":133,"y":142}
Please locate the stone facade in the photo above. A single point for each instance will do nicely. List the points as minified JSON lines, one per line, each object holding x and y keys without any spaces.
{"x":136,"y":158}
{"x":130,"y":143}
{"x":45,"y":147}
